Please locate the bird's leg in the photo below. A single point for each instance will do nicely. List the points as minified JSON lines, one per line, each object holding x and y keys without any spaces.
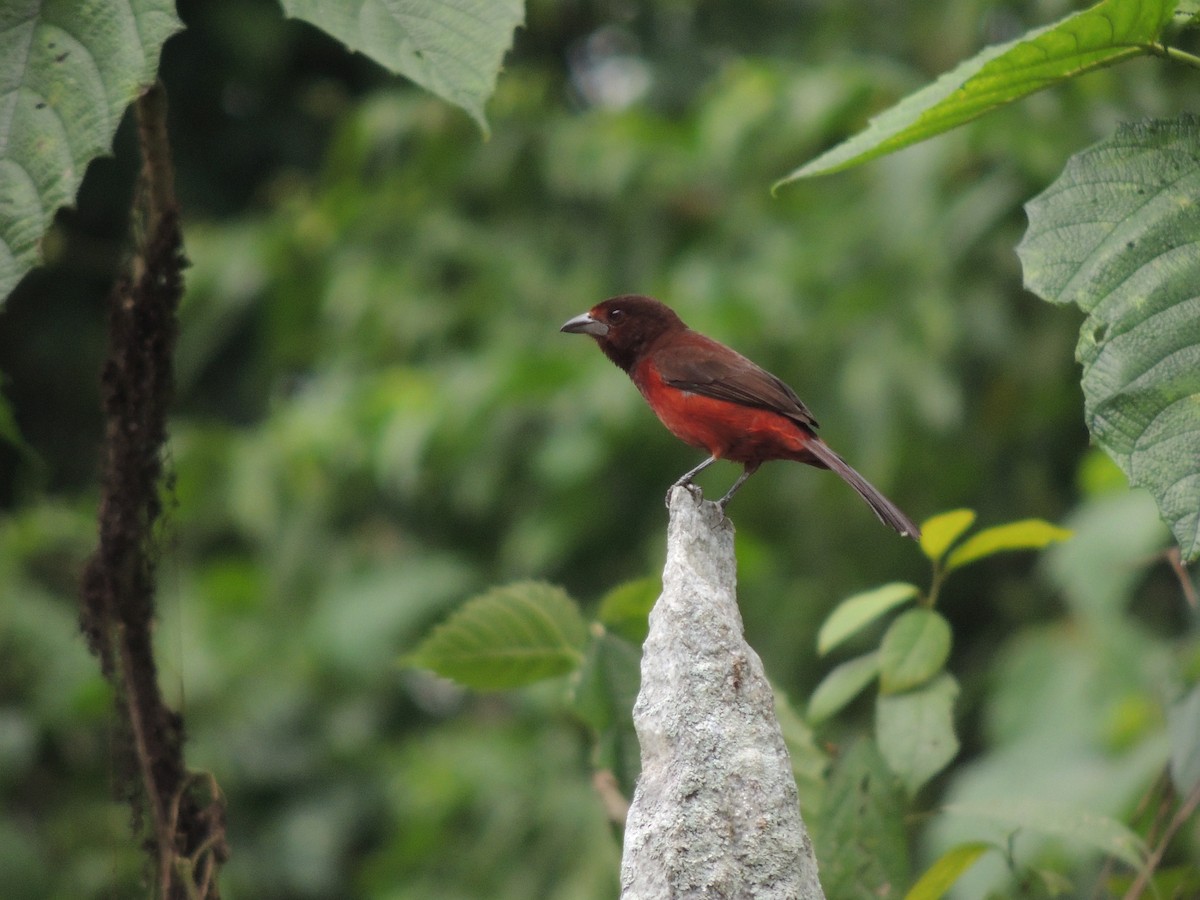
{"x":746,"y":473}
{"x":686,"y":479}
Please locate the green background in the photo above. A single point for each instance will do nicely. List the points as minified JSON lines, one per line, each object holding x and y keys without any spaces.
{"x":377,"y":418}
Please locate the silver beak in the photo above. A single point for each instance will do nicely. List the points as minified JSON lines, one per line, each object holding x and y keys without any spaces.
{"x":585,"y":324}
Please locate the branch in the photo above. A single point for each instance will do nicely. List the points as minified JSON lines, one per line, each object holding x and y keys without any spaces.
{"x":1147,"y":871}
{"x":117,"y":604}
{"x":715,"y":813}
{"x":1175,"y":560}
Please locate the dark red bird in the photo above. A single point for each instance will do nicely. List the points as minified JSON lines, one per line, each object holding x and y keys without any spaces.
{"x":712,"y":397}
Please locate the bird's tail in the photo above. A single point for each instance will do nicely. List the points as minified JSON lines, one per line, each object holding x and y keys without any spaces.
{"x":885,"y":509}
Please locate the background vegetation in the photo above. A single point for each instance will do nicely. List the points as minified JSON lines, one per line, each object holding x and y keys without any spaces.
{"x":377,"y":419}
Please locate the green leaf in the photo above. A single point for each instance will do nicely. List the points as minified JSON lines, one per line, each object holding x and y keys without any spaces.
{"x":626,"y":608}
{"x":915,"y":730}
{"x":452,"y":48}
{"x":603,"y":697}
{"x":842,"y":685}
{"x":940,"y":531}
{"x":809,"y":762}
{"x":914,"y":649}
{"x":861,"y":837}
{"x":510,"y":636}
{"x":857,"y":612}
{"x":1107,"y":33}
{"x":1118,"y":234}
{"x":942,"y":875}
{"x":67,"y":73}
{"x":1183,"y":726}
{"x":1051,"y":819}
{"x":1027,"y":534}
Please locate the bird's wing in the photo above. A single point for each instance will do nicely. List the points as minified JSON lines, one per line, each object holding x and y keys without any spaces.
{"x":703,"y":366}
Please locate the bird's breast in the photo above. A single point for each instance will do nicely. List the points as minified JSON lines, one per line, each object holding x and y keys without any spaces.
{"x":726,"y":430}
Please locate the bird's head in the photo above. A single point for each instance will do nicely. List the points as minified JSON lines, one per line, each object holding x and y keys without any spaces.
{"x":625,"y":327}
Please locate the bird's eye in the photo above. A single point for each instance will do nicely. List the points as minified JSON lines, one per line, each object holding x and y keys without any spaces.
{"x":616,"y":315}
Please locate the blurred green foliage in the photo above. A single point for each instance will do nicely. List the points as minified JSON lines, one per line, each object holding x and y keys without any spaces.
{"x":377,"y":419}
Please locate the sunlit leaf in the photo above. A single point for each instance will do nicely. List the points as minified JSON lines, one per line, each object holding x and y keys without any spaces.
{"x":1028,"y":534}
{"x":940,"y":531}
{"x":452,"y":48}
{"x":1109,"y":32}
{"x":67,"y":73}
{"x":626,"y":608}
{"x":949,"y":867}
{"x":1051,"y":819}
{"x":914,"y":649}
{"x":510,"y":636}
{"x":915,"y":730}
{"x":857,"y":612}
{"x":842,"y":685}
{"x":1118,"y":234}
{"x":861,"y":838}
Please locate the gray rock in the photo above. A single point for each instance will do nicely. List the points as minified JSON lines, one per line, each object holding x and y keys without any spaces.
{"x":715,"y":813}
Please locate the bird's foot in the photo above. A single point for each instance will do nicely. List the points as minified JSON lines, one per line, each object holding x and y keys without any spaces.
{"x":692,"y":488}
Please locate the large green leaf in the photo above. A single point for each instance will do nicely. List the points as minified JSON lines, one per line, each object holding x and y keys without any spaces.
{"x":510,"y":636}
{"x":913,"y":650}
{"x":1105,"y":34}
{"x":857,"y":612}
{"x":68,"y":70}
{"x":1027,"y":534}
{"x":861,"y":838}
{"x":842,"y":685}
{"x":1118,"y":234}
{"x":915,"y":730}
{"x":453,"y":48}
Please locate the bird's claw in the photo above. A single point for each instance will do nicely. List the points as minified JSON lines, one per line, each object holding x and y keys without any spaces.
{"x":692,"y":488}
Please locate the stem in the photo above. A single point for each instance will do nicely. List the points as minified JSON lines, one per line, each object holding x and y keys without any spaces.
{"x":1174,"y":54}
{"x":1185,"y":811}
{"x":164,"y":834}
{"x":118,"y":591}
{"x":935,"y":586}
{"x":1175,"y":558}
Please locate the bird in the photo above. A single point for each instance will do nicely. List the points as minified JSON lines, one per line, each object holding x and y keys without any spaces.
{"x":711,"y":397}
